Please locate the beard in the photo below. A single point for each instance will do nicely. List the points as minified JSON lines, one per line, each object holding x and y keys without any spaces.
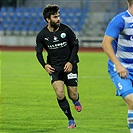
{"x":54,"y":25}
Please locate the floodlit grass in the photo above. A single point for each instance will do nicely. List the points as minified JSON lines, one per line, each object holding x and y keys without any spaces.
{"x":29,"y":103}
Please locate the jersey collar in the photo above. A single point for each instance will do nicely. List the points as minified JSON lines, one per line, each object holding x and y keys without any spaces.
{"x":129,"y":13}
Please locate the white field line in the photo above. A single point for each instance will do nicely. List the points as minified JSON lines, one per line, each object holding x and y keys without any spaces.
{"x":94,"y":77}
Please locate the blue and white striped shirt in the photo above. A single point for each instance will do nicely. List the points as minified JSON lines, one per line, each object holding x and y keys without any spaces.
{"x":121,"y":29}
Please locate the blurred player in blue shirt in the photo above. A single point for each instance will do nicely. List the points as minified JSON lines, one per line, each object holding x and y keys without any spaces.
{"x":118,"y":45}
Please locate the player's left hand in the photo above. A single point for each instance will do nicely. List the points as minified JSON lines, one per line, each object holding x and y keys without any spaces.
{"x":68,"y":67}
{"x":122,"y":71}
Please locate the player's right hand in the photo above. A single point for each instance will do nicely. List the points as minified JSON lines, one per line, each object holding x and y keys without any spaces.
{"x":49,"y":69}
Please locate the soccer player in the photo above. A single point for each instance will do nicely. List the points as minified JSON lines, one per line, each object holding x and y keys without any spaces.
{"x":118,"y":45}
{"x":62,"y":47}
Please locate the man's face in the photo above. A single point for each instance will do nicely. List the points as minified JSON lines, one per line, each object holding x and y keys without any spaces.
{"x":55,"y":20}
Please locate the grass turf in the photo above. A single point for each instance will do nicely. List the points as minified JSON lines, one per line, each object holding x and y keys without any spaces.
{"x":29,"y":103}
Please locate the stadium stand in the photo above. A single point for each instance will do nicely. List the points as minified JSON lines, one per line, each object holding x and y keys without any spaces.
{"x":28,"y":21}
{"x":87,"y":18}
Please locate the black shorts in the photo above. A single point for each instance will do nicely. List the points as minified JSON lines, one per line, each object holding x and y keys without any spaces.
{"x":70,"y":79}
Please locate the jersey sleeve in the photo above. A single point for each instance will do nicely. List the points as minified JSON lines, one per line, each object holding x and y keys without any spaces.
{"x":39,"y":46}
{"x":73,"y":44}
{"x":115,"y":27}
{"x":39,"y":50}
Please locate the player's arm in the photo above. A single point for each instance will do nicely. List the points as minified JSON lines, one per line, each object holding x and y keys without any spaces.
{"x":39,"y":55}
{"x":47,"y":67}
{"x":68,"y":66}
{"x":74,"y":42}
{"x":108,"y":49}
{"x":74,"y":45}
{"x":113,"y":30}
{"x":39,"y":50}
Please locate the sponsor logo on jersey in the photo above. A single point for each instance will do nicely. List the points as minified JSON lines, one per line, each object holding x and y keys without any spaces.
{"x":57,"y":45}
{"x":55,"y":39}
{"x":131,"y":25}
{"x":131,"y":38}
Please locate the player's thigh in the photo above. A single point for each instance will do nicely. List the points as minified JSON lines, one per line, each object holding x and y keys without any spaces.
{"x":57,"y":82}
{"x":123,"y":86}
{"x":59,"y":89}
{"x":58,"y":85}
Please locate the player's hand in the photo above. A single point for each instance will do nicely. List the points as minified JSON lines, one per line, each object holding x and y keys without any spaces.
{"x":49,"y":69}
{"x":122,"y":71}
{"x":68,"y":67}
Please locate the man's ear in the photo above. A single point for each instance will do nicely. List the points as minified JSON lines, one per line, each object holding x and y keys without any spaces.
{"x":47,"y":19}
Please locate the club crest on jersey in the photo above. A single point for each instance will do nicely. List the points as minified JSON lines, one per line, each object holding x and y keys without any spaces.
{"x":63,"y":35}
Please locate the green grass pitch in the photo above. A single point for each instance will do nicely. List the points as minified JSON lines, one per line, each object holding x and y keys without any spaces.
{"x":28,"y":102}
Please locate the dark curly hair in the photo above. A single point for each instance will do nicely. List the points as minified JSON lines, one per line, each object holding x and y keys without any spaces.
{"x":50,"y":10}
